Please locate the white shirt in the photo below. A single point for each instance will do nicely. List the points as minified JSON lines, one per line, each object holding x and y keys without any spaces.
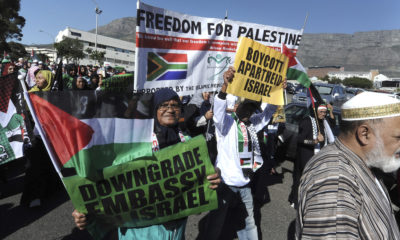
{"x":226,"y":130}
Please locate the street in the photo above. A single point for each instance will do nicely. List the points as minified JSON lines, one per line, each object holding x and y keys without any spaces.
{"x":53,"y":219}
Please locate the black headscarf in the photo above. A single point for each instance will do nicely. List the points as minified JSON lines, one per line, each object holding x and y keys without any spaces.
{"x":166,"y":136}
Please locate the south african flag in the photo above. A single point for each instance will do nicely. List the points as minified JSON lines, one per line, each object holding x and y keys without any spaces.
{"x":166,"y":66}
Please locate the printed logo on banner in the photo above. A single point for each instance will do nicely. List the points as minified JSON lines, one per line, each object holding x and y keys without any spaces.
{"x":216,"y":66}
{"x":166,"y":66}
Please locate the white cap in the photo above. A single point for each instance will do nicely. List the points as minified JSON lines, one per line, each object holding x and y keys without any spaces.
{"x":35,"y":61}
{"x":40,"y":62}
{"x":20,"y":59}
{"x":370,"y":105}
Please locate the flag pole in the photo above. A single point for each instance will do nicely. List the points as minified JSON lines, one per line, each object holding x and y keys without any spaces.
{"x":305,"y":21}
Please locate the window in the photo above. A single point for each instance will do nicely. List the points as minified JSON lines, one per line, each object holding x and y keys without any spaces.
{"x":324,"y":90}
{"x":76,"y":34}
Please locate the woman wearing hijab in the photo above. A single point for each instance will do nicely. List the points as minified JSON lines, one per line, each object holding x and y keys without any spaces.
{"x":8,"y":69}
{"x":41,"y":178}
{"x":166,"y":113}
{"x":80,"y":84}
{"x":43,"y":80}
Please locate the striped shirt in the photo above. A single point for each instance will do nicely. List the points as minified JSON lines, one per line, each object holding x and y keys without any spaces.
{"x":339,"y":198}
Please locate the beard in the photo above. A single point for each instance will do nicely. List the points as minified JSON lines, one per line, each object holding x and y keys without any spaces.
{"x":377,"y":158}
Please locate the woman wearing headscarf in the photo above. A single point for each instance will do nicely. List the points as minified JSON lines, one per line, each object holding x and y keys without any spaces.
{"x":40,"y":179}
{"x":166,"y":112}
{"x":80,"y":83}
{"x":8,"y":69}
{"x":43,"y":80}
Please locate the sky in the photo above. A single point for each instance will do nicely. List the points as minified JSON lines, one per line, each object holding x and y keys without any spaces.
{"x":45,"y":18}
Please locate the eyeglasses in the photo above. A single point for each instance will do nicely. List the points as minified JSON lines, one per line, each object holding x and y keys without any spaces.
{"x":11,"y":68}
{"x":165,"y":106}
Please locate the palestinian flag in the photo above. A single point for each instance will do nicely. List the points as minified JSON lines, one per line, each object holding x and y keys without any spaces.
{"x":166,"y":66}
{"x":13,"y":130}
{"x":295,"y":69}
{"x":89,"y":130}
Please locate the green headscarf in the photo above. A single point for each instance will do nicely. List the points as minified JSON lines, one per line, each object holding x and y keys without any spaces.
{"x":49,"y":78}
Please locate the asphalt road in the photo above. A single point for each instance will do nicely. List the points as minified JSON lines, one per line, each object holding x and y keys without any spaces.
{"x":53,"y":219}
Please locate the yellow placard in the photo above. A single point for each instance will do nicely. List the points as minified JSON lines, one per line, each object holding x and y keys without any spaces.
{"x":260,"y":72}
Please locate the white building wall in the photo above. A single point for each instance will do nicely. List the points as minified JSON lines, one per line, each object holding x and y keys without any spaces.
{"x":344,"y":75}
{"x":50,"y":52}
{"x":118,"y":52}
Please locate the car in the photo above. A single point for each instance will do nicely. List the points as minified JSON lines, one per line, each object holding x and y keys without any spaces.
{"x":290,"y":88}
{"x":294,"y":113}
{"x":334,"y":94}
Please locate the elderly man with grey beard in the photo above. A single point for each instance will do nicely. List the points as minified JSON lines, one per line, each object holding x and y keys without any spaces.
{"x":339,"y":195}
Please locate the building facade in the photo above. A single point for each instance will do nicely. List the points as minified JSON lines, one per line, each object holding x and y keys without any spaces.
{"x":117,"y":52}
{"x":322,"y":71}
{"x":348,"y":74}
{"x":51,"y":53}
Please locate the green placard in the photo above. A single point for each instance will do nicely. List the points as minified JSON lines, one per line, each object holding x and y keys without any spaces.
{"x":170,"y":186}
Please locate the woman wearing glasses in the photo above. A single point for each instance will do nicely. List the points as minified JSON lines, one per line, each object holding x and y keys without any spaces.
{"x":166,"y":113}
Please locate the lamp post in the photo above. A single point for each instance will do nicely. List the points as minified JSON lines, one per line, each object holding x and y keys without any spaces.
{"x":98,"y":12}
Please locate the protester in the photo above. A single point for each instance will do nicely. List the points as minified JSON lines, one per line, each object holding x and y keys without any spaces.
{"x":68,"y":78}
{"x":94,"y":81}
{"x":80,"y":84}
{"x":8,"y":68}
{"x":30,"y":78}
{"x":166,"y":112}
{"x":41,"y":178}
{"x":198,"y":120}
{"x":236,"y":159}
{"x":339,"y":194}
{"x":196,"y":123}
{"x":313,"y":135}
{"x":23,"y":71}
{"x":43,"y":81}
{"x":20,"y":62}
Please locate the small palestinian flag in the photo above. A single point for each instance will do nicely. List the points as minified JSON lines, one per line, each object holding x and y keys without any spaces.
{"x":89,"y":130}
{"x":13,"y":130}
{"x":166,"y":66}
{"x":295,"y":71}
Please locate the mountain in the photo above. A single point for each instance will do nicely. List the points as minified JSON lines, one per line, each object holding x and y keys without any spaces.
{"x":361,"y":51}
{"x":122,"y":28}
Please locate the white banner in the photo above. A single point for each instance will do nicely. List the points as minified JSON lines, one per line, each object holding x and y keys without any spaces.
{"x":189,"y":54}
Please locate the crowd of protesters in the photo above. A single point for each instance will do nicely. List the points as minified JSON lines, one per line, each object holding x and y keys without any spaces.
{"x":236,"y":133}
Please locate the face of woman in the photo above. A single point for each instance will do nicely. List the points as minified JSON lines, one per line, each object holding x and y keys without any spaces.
{"x":206,"y":96}
{"x":41,"y":81}
{"x":79,"y":83}
{"x":168,"y":113}
{"x":11,"y":69}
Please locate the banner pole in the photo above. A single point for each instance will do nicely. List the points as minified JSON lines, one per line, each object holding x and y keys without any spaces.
{"x":304,"y":25}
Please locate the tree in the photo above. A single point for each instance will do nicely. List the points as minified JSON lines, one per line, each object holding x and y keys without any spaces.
{"x":335,"y":80}
{"x":42,"y":57}
{"x":358,"y":82}
{"x":325,"y":78}
{"x":97,"y":56}
{"x":70,"y":49}
{"x":11,"y":23}
{"x":16,"y":51}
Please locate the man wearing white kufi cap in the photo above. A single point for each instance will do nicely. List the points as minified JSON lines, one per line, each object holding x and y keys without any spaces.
{"x":339,"y":195}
